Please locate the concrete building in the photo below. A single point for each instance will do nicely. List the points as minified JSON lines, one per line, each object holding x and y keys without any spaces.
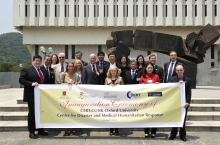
{"x":72,"y":25}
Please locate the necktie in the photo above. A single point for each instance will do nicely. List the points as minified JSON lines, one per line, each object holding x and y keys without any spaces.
{"x":48,"y":71}
{"x":93,"y":69}
{"x":102,"y":65}
{"x":170,"y":73}
{"x":132,"y":74}
{"x":41,"y":76}
{"x":62,"y":69}
{"x":180,"y":78}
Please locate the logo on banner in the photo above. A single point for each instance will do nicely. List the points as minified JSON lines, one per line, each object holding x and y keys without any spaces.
{"x":110,"y":95}
{"x":135,"y":95}
{"x":83,"y":95}
{"x":64,"y":95}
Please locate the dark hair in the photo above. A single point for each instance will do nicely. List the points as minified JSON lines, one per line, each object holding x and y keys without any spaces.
{"x":68,"y":65}
{"x":111,"y":54}
{"x":101,"y":52}
{"x":145,"y":72}
{"x":125,"y":58}
{"x":151,"y":55}
{"x":79,"y":52}
{"x":56,"y":57}
{"x":37,"y":56}
{"x":46,"y":56}
{"x":172,"y":52}
{"x":143,"y":64}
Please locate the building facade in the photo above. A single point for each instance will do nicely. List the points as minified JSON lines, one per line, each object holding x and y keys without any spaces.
{"x":71,"y":25}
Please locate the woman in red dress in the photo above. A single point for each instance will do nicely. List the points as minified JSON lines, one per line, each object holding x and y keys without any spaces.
{"x":149,"y":76}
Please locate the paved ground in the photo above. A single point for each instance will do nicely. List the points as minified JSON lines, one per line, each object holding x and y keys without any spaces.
{"x":102,"y":138}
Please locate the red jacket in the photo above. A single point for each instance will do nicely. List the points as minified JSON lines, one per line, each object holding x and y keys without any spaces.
{"x":150,"y":78}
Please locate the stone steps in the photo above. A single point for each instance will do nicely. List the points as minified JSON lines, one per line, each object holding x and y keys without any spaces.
{"x":190,"y":126}
{"x":5,"y":86}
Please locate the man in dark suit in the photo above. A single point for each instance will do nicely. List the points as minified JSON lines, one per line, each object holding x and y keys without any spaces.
{"x":158,"y":69}
{"x":30,"y":78}
{"x":170,"y":67}
{"x":112,"y":62}
{"x":131,"y":77}
{"x":78,"y":55}
{"x":101,"y":62}
{"x":47,"y":70}
{"x":91,"y":73}
{"x":181,"y":79}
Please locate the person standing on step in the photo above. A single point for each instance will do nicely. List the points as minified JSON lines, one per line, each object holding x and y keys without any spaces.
{"x":30,"y":77}
{"x":181,"y":79}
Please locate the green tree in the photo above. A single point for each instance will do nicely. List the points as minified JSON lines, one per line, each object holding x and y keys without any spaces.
{"x":6,"y":67}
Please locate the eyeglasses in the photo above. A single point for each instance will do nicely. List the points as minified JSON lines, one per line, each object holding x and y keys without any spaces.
{"x":61,"y":57}
{"x":179,"y":70}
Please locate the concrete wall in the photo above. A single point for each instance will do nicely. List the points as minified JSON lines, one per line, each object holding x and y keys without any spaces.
{"x":10,"y":78}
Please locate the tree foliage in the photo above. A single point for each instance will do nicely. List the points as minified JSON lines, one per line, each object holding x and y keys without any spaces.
{"x":13,"y":52}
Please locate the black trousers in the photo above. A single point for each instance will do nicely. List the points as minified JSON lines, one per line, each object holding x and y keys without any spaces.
{"x":31,"y":118}
{"x":182,"y":131}
{"x":112,"y":129}
{"x":153,"y":130}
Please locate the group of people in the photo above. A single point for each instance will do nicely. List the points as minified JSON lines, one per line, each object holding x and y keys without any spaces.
{"x":127,"y":72}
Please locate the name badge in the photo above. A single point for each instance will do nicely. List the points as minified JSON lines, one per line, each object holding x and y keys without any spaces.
{"x":149,"y":81}
{"x":137,"y":79}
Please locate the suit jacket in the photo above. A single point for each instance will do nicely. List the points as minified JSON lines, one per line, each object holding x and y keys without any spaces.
{"x":106,"y":67}
{"x":57,"y":73}
{"x":159,"y":72}
{"x":88,"y":76}
{"x":118,"y":81}
{"x":50,"y":78}
{"x":187,"y":87}
{"x":105,"y":63}
{"x":84,"y":63}
{"x":28,"y":76}
{"x":128,"y":78}
{"x":166,"y":67}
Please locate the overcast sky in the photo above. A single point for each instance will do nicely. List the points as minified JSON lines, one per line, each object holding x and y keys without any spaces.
{"x":6,"y":16}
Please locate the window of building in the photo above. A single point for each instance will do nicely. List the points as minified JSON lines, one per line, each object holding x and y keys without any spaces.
{"x":166,"y":11}
{"x":212,"y":64}
{"x":36,"y":49}
{"x":195,"y":10}
{"x":136,"y":10}
{"x":175,"y":10}
{"x":26,"y":10}
{"x":212,"y":52}
{"x":35,"y":10}
{"x":205,"y":10}
{"x":156,"y":10}
{"x":215,"y":10}
{"x":75,"y":10}
{"x":185,"y":10}
{"x":73,"y":51}
{"x":99,"y":48}
{"x":66,"y":51}
{"x":146,"y":10}
{"x":65,"y":11}
{"x":55,"y":10}
{"x":45,"y":10}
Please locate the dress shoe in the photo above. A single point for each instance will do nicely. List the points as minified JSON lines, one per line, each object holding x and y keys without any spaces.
{"x":152,"y":136}
{"x":43,"y":133}
{"x":172,"y":137}
{"x":110,"y":133}
{"x":183,"y":138}
{"x":146,"y":136}
{"x":33,"y":135}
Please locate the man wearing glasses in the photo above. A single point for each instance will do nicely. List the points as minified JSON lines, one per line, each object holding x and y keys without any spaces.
{"x":60,"y":67}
